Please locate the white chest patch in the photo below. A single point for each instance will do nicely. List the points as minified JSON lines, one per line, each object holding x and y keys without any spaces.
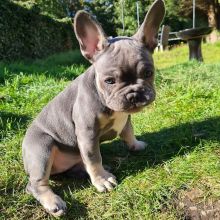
{"x":120,"y":120}
{"x":116,"y":122}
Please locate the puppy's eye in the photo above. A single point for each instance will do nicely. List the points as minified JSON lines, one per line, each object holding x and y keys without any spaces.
{"x":148,"y":74}
{"x":110,"y":81}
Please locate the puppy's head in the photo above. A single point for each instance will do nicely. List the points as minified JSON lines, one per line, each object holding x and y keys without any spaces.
{"x":124,"y":65}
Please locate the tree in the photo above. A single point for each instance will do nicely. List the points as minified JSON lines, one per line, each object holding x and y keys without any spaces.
{"x":53,"y":8}
{"x":103,"y":10}
{"x":73,"y":6}
{"x":172,"y":17}
{"x":125,"y":12}
{"x":209,"y":8}
{"x":213,"y":11}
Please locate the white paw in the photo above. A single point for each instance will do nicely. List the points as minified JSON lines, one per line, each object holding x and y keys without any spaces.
{"x":54,"y":205}
{"x":104,"y":181}
{"x":138,"y":146}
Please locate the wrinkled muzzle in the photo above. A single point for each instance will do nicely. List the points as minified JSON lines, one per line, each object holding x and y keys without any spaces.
{"x":131,"y":98}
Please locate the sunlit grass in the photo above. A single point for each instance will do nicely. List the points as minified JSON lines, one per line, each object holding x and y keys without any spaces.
{"x":182,"y":129}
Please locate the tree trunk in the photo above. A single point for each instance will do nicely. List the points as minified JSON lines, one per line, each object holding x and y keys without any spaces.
{"x":217,"y":14}
{"x":214,"y":20}
{"x":211,"y":16}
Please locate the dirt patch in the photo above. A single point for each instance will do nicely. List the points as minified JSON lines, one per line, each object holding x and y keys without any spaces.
{"x":193,"y":206}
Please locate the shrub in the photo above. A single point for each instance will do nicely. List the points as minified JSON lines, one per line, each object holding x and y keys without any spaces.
{"x":25,"y":33}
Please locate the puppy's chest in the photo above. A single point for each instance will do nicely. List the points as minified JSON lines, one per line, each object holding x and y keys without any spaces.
{"x":112,"y":124}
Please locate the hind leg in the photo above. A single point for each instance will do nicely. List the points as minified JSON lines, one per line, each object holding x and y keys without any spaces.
{"x":38,"y":156}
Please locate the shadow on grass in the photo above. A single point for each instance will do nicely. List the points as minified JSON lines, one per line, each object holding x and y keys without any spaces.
{"x":76,"y":210}
{"x":162,"y":146}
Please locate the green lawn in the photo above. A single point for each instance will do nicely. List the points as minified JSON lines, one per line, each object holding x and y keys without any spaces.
{"x":182,"y":129}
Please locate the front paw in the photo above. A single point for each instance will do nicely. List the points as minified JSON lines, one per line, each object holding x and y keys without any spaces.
{"x":137,"y":146}
{"x":104,"y":181}
{"x":54,"y":205}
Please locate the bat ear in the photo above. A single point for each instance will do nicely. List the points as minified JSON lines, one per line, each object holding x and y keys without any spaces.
{"x":90,"y":35}
{"x":147,"y":33}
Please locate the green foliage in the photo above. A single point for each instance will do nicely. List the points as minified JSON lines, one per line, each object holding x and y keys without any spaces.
{"x":172,"y":17}
{"x":27,"y":33}
{"x":52,"y":8}
{"x":104,"y":12}
{"x":74,"y":6}
{"x":128,"y":8}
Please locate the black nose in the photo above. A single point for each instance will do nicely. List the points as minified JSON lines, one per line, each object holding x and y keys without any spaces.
{"x":134,"y":97}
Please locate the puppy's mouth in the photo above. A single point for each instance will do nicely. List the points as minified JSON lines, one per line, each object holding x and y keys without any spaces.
{"x":138,"y":106}
{"x":131,"y":101}
{"x":132,"y":106}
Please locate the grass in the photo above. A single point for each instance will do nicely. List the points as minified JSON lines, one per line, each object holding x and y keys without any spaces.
{"x":180,"y":55}
{"x":182,"y":129}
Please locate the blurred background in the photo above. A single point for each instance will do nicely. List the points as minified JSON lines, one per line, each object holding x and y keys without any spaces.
{"x":38,"y":28}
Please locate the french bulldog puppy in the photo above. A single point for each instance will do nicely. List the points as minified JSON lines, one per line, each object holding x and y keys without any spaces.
{"x":95,"y":107}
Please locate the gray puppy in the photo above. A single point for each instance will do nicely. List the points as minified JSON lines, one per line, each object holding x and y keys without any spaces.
{"x":95,"y":107}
